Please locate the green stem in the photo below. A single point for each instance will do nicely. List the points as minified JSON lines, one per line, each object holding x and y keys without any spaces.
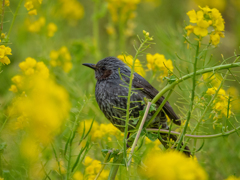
{"x":138,"y":133}
{"x":209,"y":104}
{"x":14,"y":18}
{"x":129,"y":99}
{"x":202,"y":71}
{"x":96,"y":30}
{"x":113,"y":172}
{"x":69,"y":161}
{"x":192,"y":99}
{"x":159,"y":108}
{"x":3,"y":125}
{"x":195,"y":136}
{"x":3,"y":4}
{"x":207,"y":107}
{"x":59,"y":165}
{"x":121,"y":33}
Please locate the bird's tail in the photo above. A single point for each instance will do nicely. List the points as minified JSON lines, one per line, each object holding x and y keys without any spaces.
{"x":165,"y":139}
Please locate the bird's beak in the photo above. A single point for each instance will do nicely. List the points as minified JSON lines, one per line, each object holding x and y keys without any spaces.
{"x":93,"y":66}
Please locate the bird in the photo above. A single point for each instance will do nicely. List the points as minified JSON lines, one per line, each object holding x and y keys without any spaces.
{"x":111,"y":93}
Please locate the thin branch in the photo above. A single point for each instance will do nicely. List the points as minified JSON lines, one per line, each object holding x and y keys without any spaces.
{"x":195,"y":136}
{"x":139,"y":132}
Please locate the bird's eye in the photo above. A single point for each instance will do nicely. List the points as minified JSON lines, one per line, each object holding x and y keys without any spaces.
{"x":103,"y":68}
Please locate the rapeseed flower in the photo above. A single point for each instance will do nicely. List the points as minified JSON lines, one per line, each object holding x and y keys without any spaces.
{"x":92,"y":167}
{"x":218,"y":4}
{"x":128,"y":59}
{"x":37,"y":25}
{"x":7,"y":3}
{"x":41,"y":106}
{"x":32,"y":12}
{"x":232,"y":177}
{"x":29,"y":67}
{"x":61,"y":58}
{"x":203,"y":19}
{"x":171,"y":165}
{"x":158,"y":62}
{"x":52,"y":28}
{"x":98,"y":131}
{"x":29,"y":5}
{"x":221,"y":103}
{"x":4,"y":51}
{"x":71,"y":10}
{"x":78,"y":175}
{"x":234,"y":93}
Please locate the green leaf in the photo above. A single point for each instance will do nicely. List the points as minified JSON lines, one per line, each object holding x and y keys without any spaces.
{"x":152,"y":108}
{"x":153,"y":137}
{"x":134,"y":120}
{"x":170,"y":79}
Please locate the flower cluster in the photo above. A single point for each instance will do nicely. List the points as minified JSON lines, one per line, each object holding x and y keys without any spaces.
{"x":174,"y":165}
{"x":51,"y":29}
{"x":42,"y":106}
{"x":37,"y":25}
{"x":129,"y":61}
{"x":30,"y":6}
{"x":71,"y":10}
{"x":158,"y":62}
{"x":93,"y":167}
{"x":232,"y":177}
{"x":123,"y":12}
{"x":221,"y":104}
{"x":29,"y":68}
{"x":4,"y":51}
{"x":61,"y":58}
{"x":203,"y":19}
{"x":99,"y":131}
{"x":78,"y":175}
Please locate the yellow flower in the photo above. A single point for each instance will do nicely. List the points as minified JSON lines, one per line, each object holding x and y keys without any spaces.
{"x":88,"y":160}
{"x":215,"y":37}
{"x":189,"y":29}
{"x":232,"y":177}
{"x":32,"y":12}
{"x":7,"y":3}
{"x":78,"y":175}
{"x":13,"y":88}
{"x":129,"y":61}
{"x":214,"y":79}
{"x":3,"y":35}
{"x":36,"y":26}
{"x":211,"y":91}
{"x":61,"y":58}
{"x":4,"y":51}
{"x":71,"y":10}
{"x":30,"y":149}
{"x":5,"y":60}
{"x":195,"y":17}
{"x":29,"y":5}
{"x":159,"y":62}
{"x":201,"y":28}
{"x":204,"y":18}
{"x":171,"y":168}
{"x":110,"y":30}
{"x":18,"y":81}
{"x":52,"y":28}
{"x":50,"y":102}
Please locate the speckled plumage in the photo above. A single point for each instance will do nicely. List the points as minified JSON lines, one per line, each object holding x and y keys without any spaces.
{"x":111,"y":94}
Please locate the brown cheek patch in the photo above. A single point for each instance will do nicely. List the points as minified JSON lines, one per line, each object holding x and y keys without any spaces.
{"x":106,"y":74}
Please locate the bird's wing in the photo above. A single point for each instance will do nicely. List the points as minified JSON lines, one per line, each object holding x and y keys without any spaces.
{"x":147,"y":88}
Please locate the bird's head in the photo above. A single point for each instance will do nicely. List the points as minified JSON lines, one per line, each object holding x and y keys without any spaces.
{"x":107,"y":68}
